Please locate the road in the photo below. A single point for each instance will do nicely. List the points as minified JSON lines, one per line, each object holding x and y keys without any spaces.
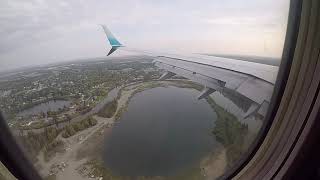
{"x":111,"y":96}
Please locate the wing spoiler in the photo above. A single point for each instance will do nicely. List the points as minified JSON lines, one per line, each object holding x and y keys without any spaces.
{"x":250,"y":81}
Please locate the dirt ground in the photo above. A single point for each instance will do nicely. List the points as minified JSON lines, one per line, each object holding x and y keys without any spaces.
{"x":88,"y":144}
{"x":79,"y":148}
{"x":214,"y":165}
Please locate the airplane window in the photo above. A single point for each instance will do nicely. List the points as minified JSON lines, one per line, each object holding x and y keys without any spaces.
{"x":138,"y":89}
{"x":5,"y":173}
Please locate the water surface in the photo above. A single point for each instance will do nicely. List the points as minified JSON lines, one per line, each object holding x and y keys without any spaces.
{"x":52,"y":105}
{"x":165,"y":131}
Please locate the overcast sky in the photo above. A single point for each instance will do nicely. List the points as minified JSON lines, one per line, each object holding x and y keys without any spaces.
{"x":39,"y":32}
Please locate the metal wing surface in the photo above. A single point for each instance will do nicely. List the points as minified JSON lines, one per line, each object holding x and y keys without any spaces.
{"x":248,"y":84}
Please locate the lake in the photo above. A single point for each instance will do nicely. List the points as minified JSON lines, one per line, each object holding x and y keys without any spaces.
{"x":164,"y":131}
{"x":52,"y":105}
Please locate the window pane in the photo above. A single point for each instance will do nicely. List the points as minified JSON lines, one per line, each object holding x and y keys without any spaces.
{"x":5,"y":173}
{"x":188,"y":107}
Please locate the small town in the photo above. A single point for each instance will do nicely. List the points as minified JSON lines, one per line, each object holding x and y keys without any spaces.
{"x":60,"y":93}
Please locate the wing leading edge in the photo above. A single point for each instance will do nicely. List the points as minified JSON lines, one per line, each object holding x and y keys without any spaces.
{"x":115,"y":44}
{"x":242,"y":81}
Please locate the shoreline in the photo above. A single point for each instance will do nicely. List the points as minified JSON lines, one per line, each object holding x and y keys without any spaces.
{"x":214,"y":164}
{"x":85,"y":146}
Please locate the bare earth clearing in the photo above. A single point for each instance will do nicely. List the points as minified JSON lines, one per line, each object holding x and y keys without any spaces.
{"x":64,"y":165}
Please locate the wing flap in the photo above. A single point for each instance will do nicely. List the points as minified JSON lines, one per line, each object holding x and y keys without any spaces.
{"x":248,"y":80}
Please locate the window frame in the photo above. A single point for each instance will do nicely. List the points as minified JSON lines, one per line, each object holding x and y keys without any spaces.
{"x":12,"y":156}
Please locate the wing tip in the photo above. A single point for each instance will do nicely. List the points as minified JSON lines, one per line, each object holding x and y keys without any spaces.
{"x":111,"y":38}
{"x":115,"y":44}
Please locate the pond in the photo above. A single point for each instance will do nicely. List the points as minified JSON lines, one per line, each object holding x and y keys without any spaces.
{"x":52,"y":105}
{"x":164,"y":131}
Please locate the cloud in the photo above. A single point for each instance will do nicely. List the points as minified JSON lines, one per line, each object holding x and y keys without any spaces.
{"x":27,"y":25}
{"x":241,"y":21}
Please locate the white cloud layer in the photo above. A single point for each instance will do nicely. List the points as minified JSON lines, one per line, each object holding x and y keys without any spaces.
{"x":39,"y":31}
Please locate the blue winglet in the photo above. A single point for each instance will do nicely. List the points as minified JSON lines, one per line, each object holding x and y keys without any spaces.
{"x":115,"y":44}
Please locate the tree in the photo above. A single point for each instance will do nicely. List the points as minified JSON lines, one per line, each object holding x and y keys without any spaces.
{"x":48,"y":113}
{"x":69,"y":131}
{"x":85,"y":123}
{"x":92,"y":121}
{"x":21,"y":131}
{"x":43,"y":114}
{"x":55,"y":120}
{"x":46,"y":132}
{"x":68,"y":117}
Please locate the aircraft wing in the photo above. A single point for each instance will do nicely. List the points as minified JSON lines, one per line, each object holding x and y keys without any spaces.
{"x":248,"y":84}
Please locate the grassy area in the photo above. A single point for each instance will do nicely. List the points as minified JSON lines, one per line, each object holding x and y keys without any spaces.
{"x":51,"y":149}
{"x":34,"y":125}
{"x":103,"y":94}
{"x":109,"y":109}
{"x":32,"y":142}
{"x":75,"y":127}
{"x":186,"y":84}
{"x":50,"y":177}
{"x":121,"y":111}
{"x":96,"y":168}
{"x":230,"y":132}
